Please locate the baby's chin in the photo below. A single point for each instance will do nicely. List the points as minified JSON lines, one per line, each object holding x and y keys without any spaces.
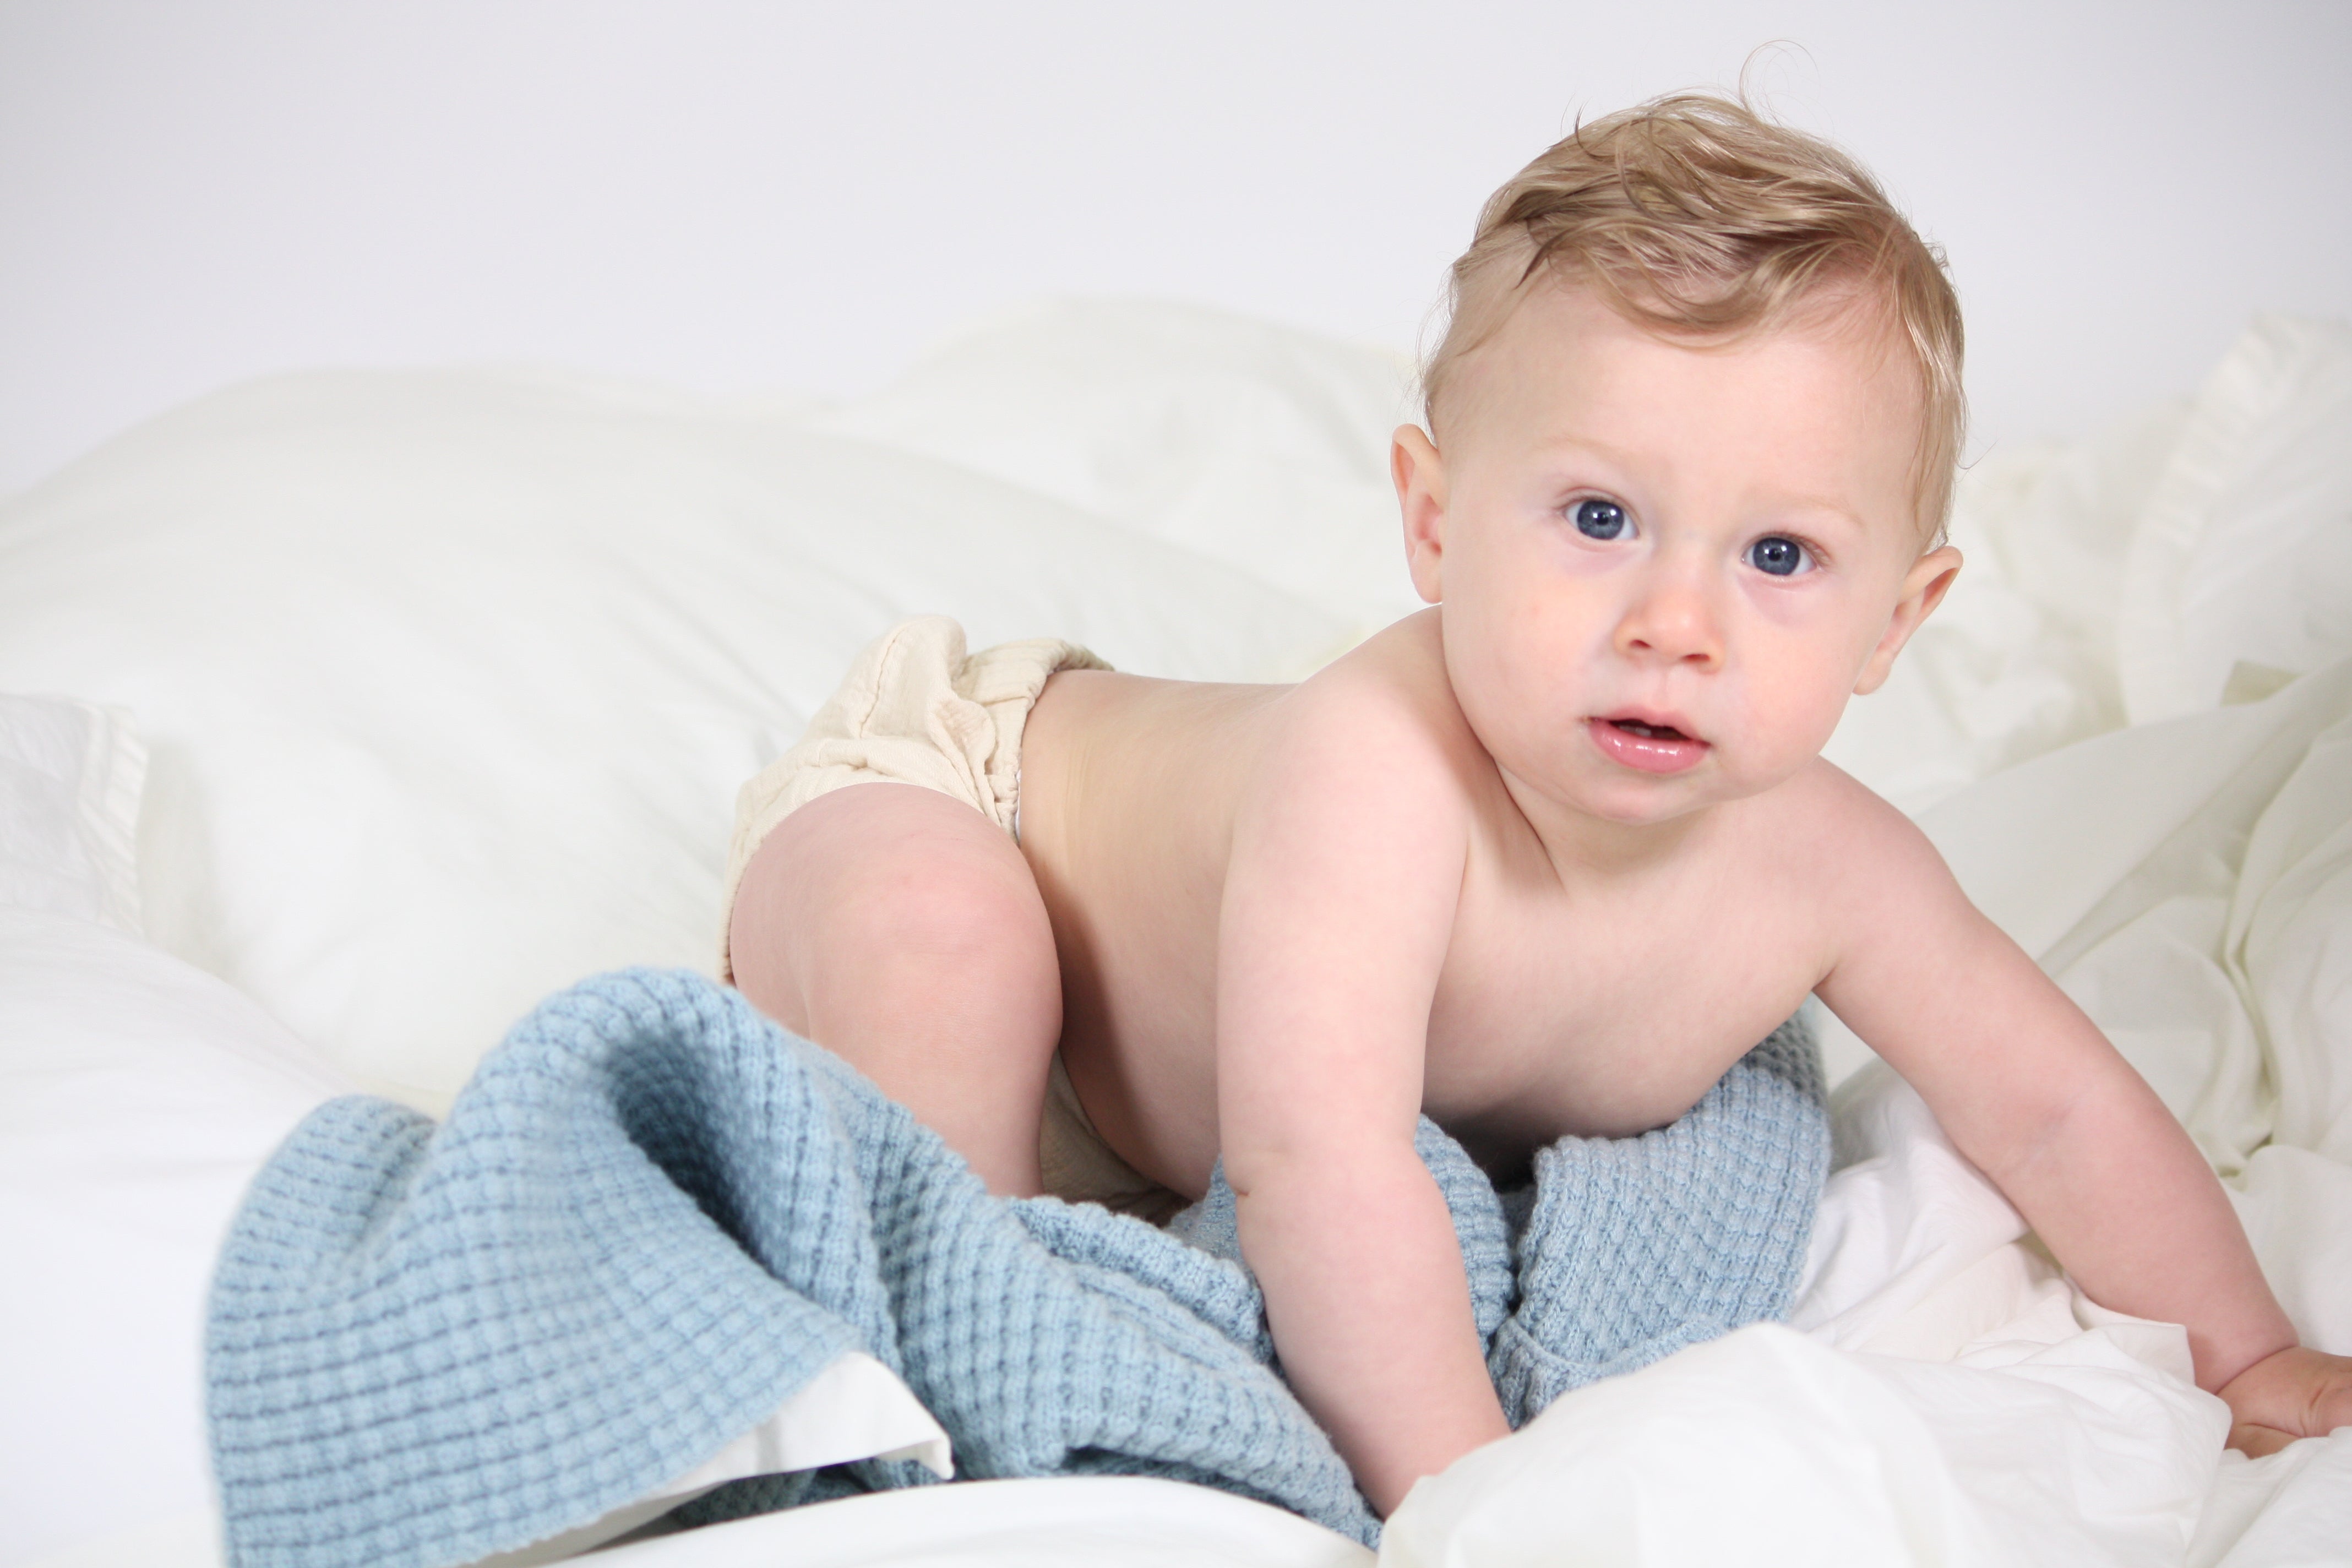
{"x":1629,"y":797}
{"x":1584,"y":791}
{"x":1649,"y":804}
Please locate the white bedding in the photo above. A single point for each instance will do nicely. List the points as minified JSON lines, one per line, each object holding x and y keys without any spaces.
{"x":448,"y":680}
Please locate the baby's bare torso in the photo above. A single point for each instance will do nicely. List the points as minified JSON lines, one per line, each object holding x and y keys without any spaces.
{"x":1595,"y":1002}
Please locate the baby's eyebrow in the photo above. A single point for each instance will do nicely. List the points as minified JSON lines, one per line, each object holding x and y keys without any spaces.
{"x":1816,"y":507}
{"x":1570,"y":447}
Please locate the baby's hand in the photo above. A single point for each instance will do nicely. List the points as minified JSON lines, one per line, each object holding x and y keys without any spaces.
{"x":2294,"y":1393}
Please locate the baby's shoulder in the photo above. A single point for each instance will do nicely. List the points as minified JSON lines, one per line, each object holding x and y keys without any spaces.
{"x":1822,"y":796}
{"x":1380,"y":721}
{"x":1843,"y":837}
{"x":1387,"y":700}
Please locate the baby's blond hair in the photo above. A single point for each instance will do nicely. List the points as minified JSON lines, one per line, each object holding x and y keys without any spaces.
{"x":1698,"y":218}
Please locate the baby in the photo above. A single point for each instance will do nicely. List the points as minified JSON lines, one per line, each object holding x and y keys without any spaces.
{"x":1545,"y":858}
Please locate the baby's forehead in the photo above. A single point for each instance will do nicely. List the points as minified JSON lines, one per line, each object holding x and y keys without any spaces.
{"x":1566,"y":343}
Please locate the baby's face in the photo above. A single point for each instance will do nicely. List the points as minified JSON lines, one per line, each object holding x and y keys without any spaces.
{"x":1665,"y":568}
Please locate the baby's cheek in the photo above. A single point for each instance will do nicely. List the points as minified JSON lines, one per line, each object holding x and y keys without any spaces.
{"x":1520,"y":701}
{"x":1811,"y":727}
{"x":1812,"y":730}
{"x":1504,"y":655}
{"x":1791,"y":714}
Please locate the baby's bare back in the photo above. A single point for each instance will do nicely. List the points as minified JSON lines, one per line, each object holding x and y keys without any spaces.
{"x":1573,"y":998}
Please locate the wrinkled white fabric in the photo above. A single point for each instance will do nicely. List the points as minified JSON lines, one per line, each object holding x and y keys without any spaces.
{"x":70,"y":774}
{"x":2240,"y":572}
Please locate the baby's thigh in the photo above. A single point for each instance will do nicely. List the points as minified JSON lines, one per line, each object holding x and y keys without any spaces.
{"x":876,"y":898}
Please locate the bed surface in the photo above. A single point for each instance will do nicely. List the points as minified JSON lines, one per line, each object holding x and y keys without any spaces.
{"x":376,"y":705}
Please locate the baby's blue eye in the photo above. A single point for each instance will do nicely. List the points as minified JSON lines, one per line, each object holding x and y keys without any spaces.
{"x":1780,"y":557}
{"x":1598,"y":518}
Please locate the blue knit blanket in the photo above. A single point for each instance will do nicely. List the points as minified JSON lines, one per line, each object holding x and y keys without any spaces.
{"x":653,"y":1215}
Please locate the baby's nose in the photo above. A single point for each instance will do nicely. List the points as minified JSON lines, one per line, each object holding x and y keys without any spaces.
{"x":1672,"y":620}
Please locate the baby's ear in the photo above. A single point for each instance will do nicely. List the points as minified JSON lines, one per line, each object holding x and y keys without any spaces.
{"x":1924,"y":587}
{"x":1420,"y":475}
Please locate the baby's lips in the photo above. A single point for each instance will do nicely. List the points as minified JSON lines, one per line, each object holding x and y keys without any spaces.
{"x":1646,"y":753}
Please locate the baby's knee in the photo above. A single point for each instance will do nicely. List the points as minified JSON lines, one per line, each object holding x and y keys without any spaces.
{"x":920,"y":905}
{"x":894,"y":877}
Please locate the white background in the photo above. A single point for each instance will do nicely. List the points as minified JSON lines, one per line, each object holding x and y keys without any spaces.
{"x":741,"y":196}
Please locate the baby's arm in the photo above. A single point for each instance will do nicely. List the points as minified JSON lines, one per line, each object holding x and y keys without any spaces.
{"x":1339,"y":898}
{"x":2029,"y":1089}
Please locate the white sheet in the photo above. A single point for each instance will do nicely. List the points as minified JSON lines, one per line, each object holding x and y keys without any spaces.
{"x":1077,"y":1523}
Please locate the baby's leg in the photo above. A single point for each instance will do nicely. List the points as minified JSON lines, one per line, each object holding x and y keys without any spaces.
{"x":901,"y":929}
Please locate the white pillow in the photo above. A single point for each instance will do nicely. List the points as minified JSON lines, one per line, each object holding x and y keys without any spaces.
{"x":70,"y":781}
{"x":450,"y":679}
{"x":136,"y":1098}
{"x":2243,"y":557}
{"x":1261,"y":446}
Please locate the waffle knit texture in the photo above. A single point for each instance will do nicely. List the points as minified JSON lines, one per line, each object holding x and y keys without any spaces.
{"x":653,"y":1215}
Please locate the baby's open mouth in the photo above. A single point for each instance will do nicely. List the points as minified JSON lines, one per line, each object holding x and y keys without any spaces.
{"x":1645,"y":746}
